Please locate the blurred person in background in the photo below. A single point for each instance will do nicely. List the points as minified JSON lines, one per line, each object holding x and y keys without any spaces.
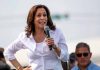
{"x":45,"y":53}
{"x":4,"y":66}
{"x":2,"y":58}
{"x":64,"y":65}
{"x":72,"y":60}
{"x":83,"y":56}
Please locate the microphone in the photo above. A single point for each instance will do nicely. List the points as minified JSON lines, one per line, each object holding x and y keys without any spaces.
{"x":46,"y":30}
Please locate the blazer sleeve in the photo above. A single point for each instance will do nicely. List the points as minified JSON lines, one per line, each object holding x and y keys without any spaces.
{"x":13,"y":48}
{"x":64,"y":56}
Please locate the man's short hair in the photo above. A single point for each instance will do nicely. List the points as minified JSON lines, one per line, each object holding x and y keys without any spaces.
{"x":82,"y":44}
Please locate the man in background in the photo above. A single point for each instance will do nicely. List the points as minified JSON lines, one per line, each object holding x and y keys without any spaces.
{"x":83,"y":56}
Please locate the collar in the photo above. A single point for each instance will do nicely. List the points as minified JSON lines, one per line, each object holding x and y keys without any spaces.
{"x":28,"y":42}
{"x":88,"y":66}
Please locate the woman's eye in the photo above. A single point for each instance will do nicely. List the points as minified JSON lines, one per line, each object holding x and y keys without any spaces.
{"x":39,"y":15}
{"x":44,"y":14}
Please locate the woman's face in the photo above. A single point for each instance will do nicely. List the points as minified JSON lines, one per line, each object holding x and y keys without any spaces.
{"x":40,"y":18}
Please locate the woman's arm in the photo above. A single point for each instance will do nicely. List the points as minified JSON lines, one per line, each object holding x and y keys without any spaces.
{"x":57,"y":50}
{"x":16,"y":64}
{"x":61,"y":44}
{"x":50,"y":43}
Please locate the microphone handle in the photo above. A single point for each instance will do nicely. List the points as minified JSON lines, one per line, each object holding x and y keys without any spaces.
{"x":48,"y":35}
{"x":50,"y":47}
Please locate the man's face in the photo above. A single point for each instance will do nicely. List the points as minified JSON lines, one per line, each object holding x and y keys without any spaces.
{"x":83,"y":56}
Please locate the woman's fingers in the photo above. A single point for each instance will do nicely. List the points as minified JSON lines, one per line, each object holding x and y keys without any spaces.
{"x":50,"y":41}
{"x":27,"y":68}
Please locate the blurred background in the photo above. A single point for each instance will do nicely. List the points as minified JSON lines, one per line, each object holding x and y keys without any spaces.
{"x":78,"y":19}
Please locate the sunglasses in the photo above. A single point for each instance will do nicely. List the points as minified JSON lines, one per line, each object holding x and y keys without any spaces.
{"x":82,"y":54}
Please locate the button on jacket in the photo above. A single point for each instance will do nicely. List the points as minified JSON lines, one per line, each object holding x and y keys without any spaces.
{"x":40,"y":57}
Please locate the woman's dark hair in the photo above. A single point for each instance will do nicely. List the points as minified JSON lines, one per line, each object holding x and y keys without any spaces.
{"x":30,"y":28}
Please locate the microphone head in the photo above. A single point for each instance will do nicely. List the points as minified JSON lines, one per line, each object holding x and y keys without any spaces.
{"x":46,"y":28}
{"x":46,"y":31}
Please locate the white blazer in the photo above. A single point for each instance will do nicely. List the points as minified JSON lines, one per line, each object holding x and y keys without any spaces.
{"x":40,"y":60}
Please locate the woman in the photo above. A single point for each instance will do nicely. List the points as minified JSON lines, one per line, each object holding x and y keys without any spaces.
{"x":36,"y":41}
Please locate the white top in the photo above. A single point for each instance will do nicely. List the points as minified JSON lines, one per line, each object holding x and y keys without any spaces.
{"x":40,"y":57}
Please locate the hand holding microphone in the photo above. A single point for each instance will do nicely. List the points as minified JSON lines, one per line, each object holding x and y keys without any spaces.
{"x":49,"y":40}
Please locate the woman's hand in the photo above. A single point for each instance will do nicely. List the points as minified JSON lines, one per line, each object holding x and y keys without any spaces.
{"x":50,"y":41}
{"x":27,"y":68}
